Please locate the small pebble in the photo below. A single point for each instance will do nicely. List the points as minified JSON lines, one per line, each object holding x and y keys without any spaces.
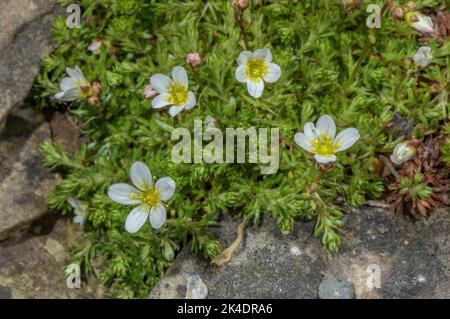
{"x":196,"y":288}
{"x":295,"y":251}
{"x":336,"y":288}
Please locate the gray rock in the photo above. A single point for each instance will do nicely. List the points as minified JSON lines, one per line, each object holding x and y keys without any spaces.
{"x":25,"y":37}
{"x":32,"y":266}
{"x":413,"y":259}
{"x":24,"y":182}
{"x":335,"y":288}
{"x":5,"y":293}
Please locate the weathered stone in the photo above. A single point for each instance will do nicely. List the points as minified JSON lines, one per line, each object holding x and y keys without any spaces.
{"x":24,"y":182}
{"x":413,"y":257}
{"x":65,"y":132}
{"x":5,"y":293}
{"x":335,"y":288}
{"x":25,"y":37}
{"x":33,"y":266}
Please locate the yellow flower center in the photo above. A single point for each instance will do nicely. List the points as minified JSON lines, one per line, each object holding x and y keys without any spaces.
{"x":178,"y":94}
{"x":86,"y":89}
{"x":149,"y":196}
{"x":256,"y":69}
{"x":324,"y":145}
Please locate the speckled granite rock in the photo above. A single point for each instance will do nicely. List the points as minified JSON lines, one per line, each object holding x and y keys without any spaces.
{"x":25,"y":37}
{"x":32,"y":267}
{"x":414,"y":260}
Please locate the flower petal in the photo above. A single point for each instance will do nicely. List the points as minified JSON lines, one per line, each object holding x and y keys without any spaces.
{"x":76,"y":204}
{"x":243,"y":57}
{"x":80,"y":75}
{"x":255,"y":89}
{"x":241,"y":73}
{"x":324,"y":159}
{"x":136,"y":218}
{"x":78,"y":220}
{"x":304,"y":141}
{"x":174,"y":110}
{"x":160,"y":101}
{"x":158,"y":216}
{"x":310,"y":130}
{"x":347,"y":138}
{"x":141,"y":176}
{"x":67,"y":84}
{"x":325,"y":124}
{"x":273,"y":73}
{"x":166,"y":188}
{"x":263,"y":54}
{"x":160,"y":83}
{"x":71,"y":73}
{"x":123,"y":194}
{"x":191,"y":101}
{"x":69,"y":95}
{"x":179,"y":75}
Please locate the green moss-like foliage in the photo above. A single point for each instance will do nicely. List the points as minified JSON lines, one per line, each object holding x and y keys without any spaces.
{"x":331,"y":62}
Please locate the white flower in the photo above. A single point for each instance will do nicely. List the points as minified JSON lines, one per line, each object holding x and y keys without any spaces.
{"x":420,"y":22}
{"x":147,"y":197}
{"x":80,"y":209}
{"x":423,"y":56}
{"x":255,"y":68}
{"x":402,"y":153}
{"x":173,"y":91}
{"x":74,"y":87}
{"x":321,"y":141}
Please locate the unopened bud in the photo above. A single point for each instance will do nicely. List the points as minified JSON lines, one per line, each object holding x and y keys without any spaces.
{"x":94,"y":100}
{"x":194,"y":59}
{"x":96,"y":88}
{"x":239,"y":4}
{"x":149,"y":93}
{"x":397,"y":13}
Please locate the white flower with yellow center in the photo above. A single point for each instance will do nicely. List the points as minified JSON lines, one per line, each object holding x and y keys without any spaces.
{"x":80,"y":209}
{"x":423,"y":56}
{"x":149,"y":198}
{"x":255,"y":68}
{"x":321,"y":140}
{"x":173,"y":91}
{"x":74,"y":87}
{"x":420,"y":22}
{"x":402,"y":153}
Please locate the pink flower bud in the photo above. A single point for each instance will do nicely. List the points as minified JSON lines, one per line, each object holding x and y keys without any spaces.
{"x":149,"y":93}
{"x":96,"y":88}
{"x":194,"y":59}
{"x":239,"y":4}
{"x":242,"y":4}
{"x":94,"y":100}
{"x":397,"y":13}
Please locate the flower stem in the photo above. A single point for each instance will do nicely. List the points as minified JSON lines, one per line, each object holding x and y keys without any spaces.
{"x":239,"y":17}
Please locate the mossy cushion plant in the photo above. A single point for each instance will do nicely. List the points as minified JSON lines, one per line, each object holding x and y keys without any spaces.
{"x":329,"y":63}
